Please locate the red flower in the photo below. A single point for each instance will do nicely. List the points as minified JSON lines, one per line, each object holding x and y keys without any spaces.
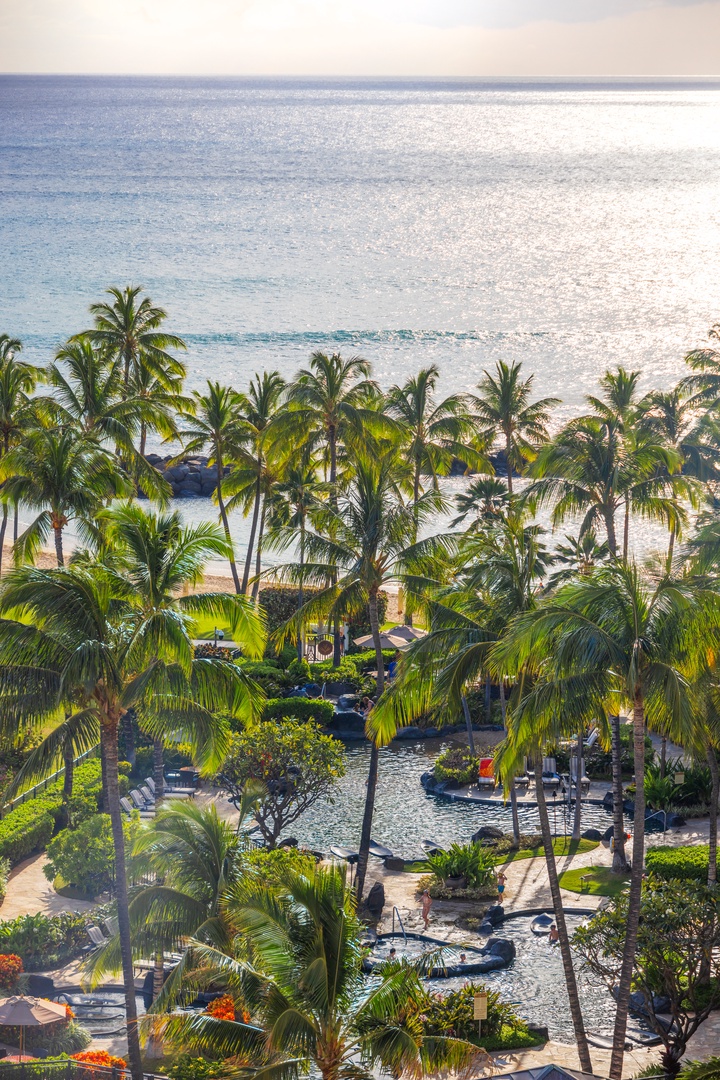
{"x":10,"y":967}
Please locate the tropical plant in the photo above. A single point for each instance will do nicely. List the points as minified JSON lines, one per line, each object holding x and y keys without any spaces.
{"x":485,"y":498}
{"x":368,"y":542}
{"x":434,"y":432}
{"x":253,"y":473}
{"x":504,"y":410}
{"x":454,"y":1014}
{"x":17,"y":409}
{"x":214,"y":423}
{"x":84,"y":857}
{"x":677,"y":957}
{"x":609,"y":638}
{"x":305,"y":991}
{"x":93,"y":642}
{"x":129,"y":328}
{"x":296,"y":764}
{"x":64,"y":477}
{"x":470,"y":861}
{"x":44,"y":942}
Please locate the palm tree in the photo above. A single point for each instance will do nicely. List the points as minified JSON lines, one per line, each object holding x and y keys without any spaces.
{"x":293,"y":504}
{"x":504,"y":410}
{"x":92,"y":631}
{"x":63,"y":476}
{"x":485,"y":498}
{"x":251,"y":474}
{"x":17,"y":411}
{"x":578,"y":555}
{"x":306,"y":993}
{"x":435,"y":430}
{"x":89,"y":395}
{"x":184,"y":861}
{"x":367,"y":542}
{"x":332,"y":404}
{"x":705,"y":385}
{"x":607,"y":638}
{"x":130,"y":329}
{"x":214,"y":423}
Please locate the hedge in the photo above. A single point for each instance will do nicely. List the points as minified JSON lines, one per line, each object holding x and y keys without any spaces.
{"x":280,"y":603}
{"x":299,"y":709}
{"x":684,"y":863}
{"x":29,"y":827}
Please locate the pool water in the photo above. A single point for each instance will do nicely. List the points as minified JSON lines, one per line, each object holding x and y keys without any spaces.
{"x":534,"y":983}
{"x":405,"y":814}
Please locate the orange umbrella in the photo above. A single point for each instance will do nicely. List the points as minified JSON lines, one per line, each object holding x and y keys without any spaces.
{"x":25,"y":1012}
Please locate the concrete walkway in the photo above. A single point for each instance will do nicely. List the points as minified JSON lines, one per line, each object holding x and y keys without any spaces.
{"x":30,"y":892}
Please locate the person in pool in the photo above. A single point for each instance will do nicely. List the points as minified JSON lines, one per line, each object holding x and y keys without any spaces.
{"x":463,"y":958}
{"x":553,"y":935}
{"x":392,"y":955}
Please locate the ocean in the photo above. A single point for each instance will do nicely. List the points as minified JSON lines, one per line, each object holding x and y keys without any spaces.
{"x":571,"y":226}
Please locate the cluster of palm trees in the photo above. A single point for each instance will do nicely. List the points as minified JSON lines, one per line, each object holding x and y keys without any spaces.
{"x":345,"y":478}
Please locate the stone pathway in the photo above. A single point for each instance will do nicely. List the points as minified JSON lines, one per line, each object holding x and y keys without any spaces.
{"x":30,"y":892}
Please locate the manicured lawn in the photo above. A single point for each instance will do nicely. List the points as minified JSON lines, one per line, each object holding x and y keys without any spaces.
{"x":204,"y":627}
{"x":602,"y":881}
{"x":562,"y":845}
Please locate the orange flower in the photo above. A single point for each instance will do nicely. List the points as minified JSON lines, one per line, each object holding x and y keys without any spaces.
{"x":10,"y":967}
{"x":222,"y":1008}
{"x":100,"y":1057}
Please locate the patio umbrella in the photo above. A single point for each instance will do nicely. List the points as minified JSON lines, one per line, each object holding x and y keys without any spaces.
{"x":25,"y":1012}
{"x":407,"y":633}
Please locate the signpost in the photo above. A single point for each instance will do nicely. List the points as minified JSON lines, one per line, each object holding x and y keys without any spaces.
{"x":480,"y":1008}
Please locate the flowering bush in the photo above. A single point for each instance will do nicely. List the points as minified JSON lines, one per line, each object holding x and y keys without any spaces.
{"x":224,"y":1008}
{"x":11,"y":966}
{"x":100,"y":1057}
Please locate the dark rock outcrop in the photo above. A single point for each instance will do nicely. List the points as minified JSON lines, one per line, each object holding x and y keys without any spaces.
{"x":376,"y":900}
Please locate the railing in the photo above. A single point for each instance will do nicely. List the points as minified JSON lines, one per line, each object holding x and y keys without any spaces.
{"x":400,"y":922}
{"x":44,"y":784}
{"x":65,"y":1070}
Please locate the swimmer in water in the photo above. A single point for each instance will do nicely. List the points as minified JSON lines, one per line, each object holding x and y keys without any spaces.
{"x":553,"y":936}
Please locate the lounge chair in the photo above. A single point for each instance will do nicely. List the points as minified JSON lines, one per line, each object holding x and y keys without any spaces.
{"x":128,"y":808}
{"x":148,"y":795}
{"x":584,"y":779}
{"x":592,"y":738}
{"x":522,"y":780}
{"x":179,"y":792}
{"x":551,"y":779}
{"x":97,"y":938}
{"x":486,"y":774}
{"x":139,"y":801}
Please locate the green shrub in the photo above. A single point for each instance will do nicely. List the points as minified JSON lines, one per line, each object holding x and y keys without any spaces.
{"x":471,"y":861}
{"x":85,"y":857}
{"x":452,"y":1015}
{"x":456,"y":766}
{"x":28,"y":828}
{"x":346,"y":672}
{"x":696,"y":788}
{"x":299,"y":669}
{"x":299,"y":709}
{"x":280,"y":603}
{"x":679,"y":863}
{"x":364,"y":659}
{"x":44,"y":942}
{"x":273,"y":866}
{"x":187,"y":1067}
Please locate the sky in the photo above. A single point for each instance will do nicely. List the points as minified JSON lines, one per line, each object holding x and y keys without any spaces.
{"x":651,"y":38}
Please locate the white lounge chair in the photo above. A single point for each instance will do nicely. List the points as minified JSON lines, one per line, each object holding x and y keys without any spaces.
{"x":128,"y":808}
{"x":550,"y":777}
{"x":584,"y":779}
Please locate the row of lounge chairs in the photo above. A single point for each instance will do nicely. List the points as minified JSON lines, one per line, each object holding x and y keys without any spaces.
{"x":551,"y":778}
{"x":143,"y":798}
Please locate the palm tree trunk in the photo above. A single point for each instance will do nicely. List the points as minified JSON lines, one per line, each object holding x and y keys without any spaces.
{"x":261,"y":530}
{"x":366,"y":831}
{"x":158,"y":770}
{"x":69,"y":765}
{"x":626,"y":529}
{"x":16,"y":522}
{"x":251,"y":541}
{"x":109,"y":741}
{"x":663,"y":757}
{"x":225,"y":523}
{"x":513,"y":792}
{"x":488,"y":699}
{"x":300,"y":586}
{"x":619,"y":862}
{"x":408,"y":618}
{"x":636,"y":874}
{"x":714,"y":798}
{"x":3,"y":527}
{"x":158,"y":975}
{"x":564,"y":939}
{"x":577,"y":818}
{"x":143,"y":438}
{"x":128,"y":731}
{"x":332,"y":442}
{"x":468,"y":724}
{"x":610,"y":529}
{"x":508,"y":449}
{"x":58,"y":545}
{"x":671,"y":551}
